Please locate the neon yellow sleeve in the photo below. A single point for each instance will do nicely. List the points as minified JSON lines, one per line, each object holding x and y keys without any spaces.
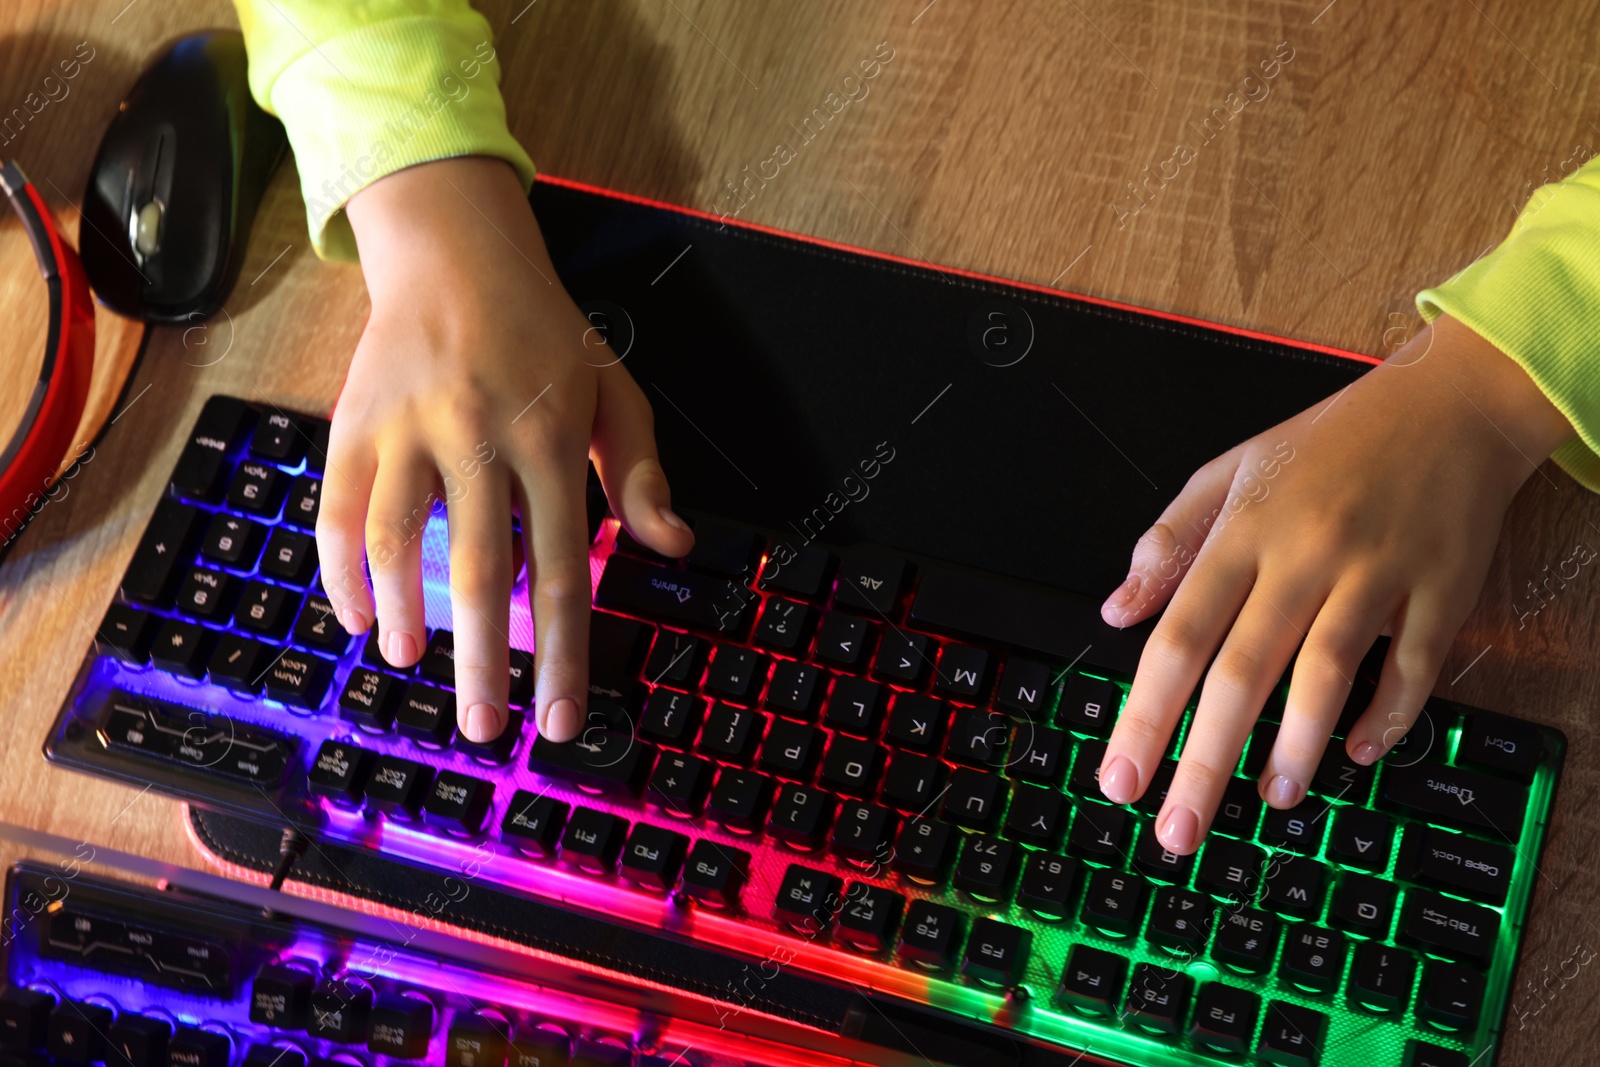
{"x":1536,"y":297}
{"x":368,"y":88}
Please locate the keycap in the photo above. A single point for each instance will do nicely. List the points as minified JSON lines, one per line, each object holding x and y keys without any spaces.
{"x":316,"y":431}
{"x":593,"y":840}
{"x":929,"y":935}
{"x":340,"y":1008}
{"x":682,"y":598}
{"x":1263,"y":736}
{"x":213,"y":743}
{"x":400,"y":1026}
{"x":369,"y":699}
{"x":1447,"y":926}
{"x":785,"y":625}
{"x":616,"y":650}
{"x":1295,"y":885}
{"x":126,"y":633}
{"x":1299,"y":828}
{"x":852,"y":767}
{"x":266,"y":610}
{"x":1363,"y":905}
{"x":426,"y":714}
{"x":207,"y":594}
{"x":870,"y":581}
{"x":1456,"y":863}
{"x":1361,"y":838}
{"x":1154,"y":797}
{"x":318,"y":628}
{"x":1157,"y":997}
{"x":1180,"y":920}
{"x":990,"y":610}
{"x":1036,"y":816}
{"x":290,"y":556}
{"x":912,"y":782}
{"x":728,"y":551}
{"x":476,"y":1041}
{"x":1500,"y":744}
{"x":1427,"y":1054}
{"x":238,"y":662}
{"x":273,"y":1056}
{"x":808,"y":899}
{"x":870,"y":916}
{"x":1099,"y":831}
{"x":731,"y":733}
{"x":1450,"y":994}
{"x":24,"y":1017}
{"x":679,"y":784}
{"x":457,"y":802}
{"x":1092,"y":980}
{"x":1381,"y":976}
{"x":520,"y":667}
{"x":193,"y":1047}
{"x":1114,"y":902}
{"x":974,"y":800}
{"x":233,"y":542}
{"x":533,"y":823}
{"x":340,"y":771}
{"x":1025,"y":688}
{"x":257,"y":489}
{"x":917,"y":721}
{"x":795,"y":690}
{"x":962,"y":672}
{"x":1342,"y":778}
{"x":1229,"y":868}
{"x":863,"y":833}
{"x":606,"y":762}
{"x":855,"y":706}
{"x":1292,"y":1035}
{"x":996,"y":952}
{"x":1458,"y":796}
{"x":278,"y":438}
{"x":801,"y":816}
{"x":1089,"y":705}
{"x":223,"y":424}
{"x":803,"y":572}
{"x":152,"y":574}
{"x":791,"y":750}
{"x":922,"y":851}
{"x":1151,"y":858}
{"x":397,"y":786}
{"x":139,"y":1041}
{"x":903,"y":657}
{"x":1246,"y":939}
{"x":740,"y":799}
{"x":670,"y":718}
{"x":281,"y":996}
{"x":714,"y":873}
{"x":843,"y":639}
{"x":299,"y":679}
{"x":303,"y":503}
{"x":1039,"y":754}
{"x":76,"y":1032}
{"x":985,"y":868}
{"x":978,"y":738}
{"x":495,"y":752}
{"x":653,"y":856}
{"x":538,"y":1047}
{"x":1240,"y":810}
{"x":1084,"y":781}
{"x":1313,"y":957}
{"x":676,"y":659}
{"x":1224,"y":1017}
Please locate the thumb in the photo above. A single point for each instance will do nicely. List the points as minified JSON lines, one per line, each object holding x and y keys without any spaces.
{"x":1162,"y":555}
{"x":624,"y":454}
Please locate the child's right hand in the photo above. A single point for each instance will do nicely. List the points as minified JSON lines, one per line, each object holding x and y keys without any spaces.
{"x":1376,"y":511}
{"x":478,"y":381}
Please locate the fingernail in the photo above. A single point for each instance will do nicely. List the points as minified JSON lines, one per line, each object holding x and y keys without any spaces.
{"x":561,"y":720}
{"x":1366,"y":753}
{"x":1120,"y":780}
{"x":353,"y":621}
{"x":1180,"y":831}
{"x":670,"y":517}
{"x":1282,"y":792}
{"x":399,"y":648}
{"x":1119,"y":602}
{"x":484,"y":723}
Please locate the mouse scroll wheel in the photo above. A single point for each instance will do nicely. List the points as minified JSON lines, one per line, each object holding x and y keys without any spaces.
{"x":144,"y":229}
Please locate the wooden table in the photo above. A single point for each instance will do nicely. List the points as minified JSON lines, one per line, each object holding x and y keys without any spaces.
{"x":1391,"y":146}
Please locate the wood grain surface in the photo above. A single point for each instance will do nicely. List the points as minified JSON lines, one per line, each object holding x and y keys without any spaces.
{"x":1391,"y":145}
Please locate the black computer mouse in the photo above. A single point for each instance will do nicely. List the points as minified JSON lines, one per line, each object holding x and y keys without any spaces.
{"x":176,"y":182}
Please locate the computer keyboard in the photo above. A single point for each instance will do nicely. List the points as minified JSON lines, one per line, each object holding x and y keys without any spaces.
{"x":100,"y":971}
{"x":884,"y":766}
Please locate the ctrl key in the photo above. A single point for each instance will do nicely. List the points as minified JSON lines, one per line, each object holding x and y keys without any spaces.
{"x":192,"y":1047}
{"x":400,"y":1026}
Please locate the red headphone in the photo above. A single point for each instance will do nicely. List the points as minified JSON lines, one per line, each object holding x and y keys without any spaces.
{"x":29,"y":461}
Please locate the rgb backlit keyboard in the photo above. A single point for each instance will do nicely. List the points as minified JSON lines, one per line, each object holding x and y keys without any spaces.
{"x":883,"y":766}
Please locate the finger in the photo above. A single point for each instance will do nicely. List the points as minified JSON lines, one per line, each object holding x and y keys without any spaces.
{"x":403,"y":495}
{"x":1247,"y":667}
{"x":1424,"y":630}
{"x":480,"y":600}
{"x":341,"y":530}
{"x":624,"y":451}
{"x":1320,"y":686}
{"x":1174,"y":656}
{"x":558,"y":584}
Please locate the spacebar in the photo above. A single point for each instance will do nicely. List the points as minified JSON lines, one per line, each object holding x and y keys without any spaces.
{"x":993,"y":611}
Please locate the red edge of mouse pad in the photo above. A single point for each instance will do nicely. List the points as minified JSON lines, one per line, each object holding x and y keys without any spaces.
{"x":1238,"y":331}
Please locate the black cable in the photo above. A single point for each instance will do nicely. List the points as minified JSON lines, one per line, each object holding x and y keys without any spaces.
{"x":290,"y":849}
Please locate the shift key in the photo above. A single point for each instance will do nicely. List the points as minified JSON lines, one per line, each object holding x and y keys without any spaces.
{"x":635,"y":587}
{"x":1457,"y":796}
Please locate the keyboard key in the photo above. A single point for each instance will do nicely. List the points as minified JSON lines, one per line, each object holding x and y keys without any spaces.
{"x":1229,"y":868}
{"x":917,"y":722}
{"x":340,"y":772}
{"x":237,"y":662}
{"x":458,"y":802}
{"x":1114,"y":902}
{"x":1092,"y":980}
{"x":520,"y":668}
{"x":139,"y":1041}
{"x":438,"y":662}
{"x":427,"y":714}
{"x":871,"y":581}
{"x":731,"y":733}
{"x":1295,"y":885}
{"x":974,"y":800}
{"x":233,"y":542}
{"x":213,"y":743}
{"x":290,"y":557}
{"x":1180,"y":920}
{"x":1456,"y":863}
{"x":207,"y":594}
{"x":126,"y":633}
{"x":1292,"y":1035}
{"x":852,"y":767}
{"x":653,"y":857}
{"x":318,"y":628}
{"x":266,"y":610}
{"x":1150,"y":858}
{"x":803,"y":572}
{"x":1085,"y":778}
{"x":979,"y":738}
{"x":193,"y":1047}
{"x":76,"y":1032}
{"x":1246,"y":939}
{"x":856,"y":706}
{"x":476,"y":1041}
{"x":904,"y":657}
{"x":1025,"y":688}
{"x":801,"y":816}
{"x":1363,"y":905}
{"x":670,"y":718}
{"x":791,"y":750}
{"x":870,"y":916}
{"x":1100,"y":832}
{"x":182,"y":648}
{"x":24,"y":1017}
{"x":1225,"y":1017}
{"x":533,"y":823}
{"x":299,"y":679}
{"x":273,"y":1056}
{"x":495,"y":752}
{"x":257,"y":489}
{"x":1299,"y":828}
{"x":1457,"y":796}
{"x":616,"y":652}
{"x":606,"y":762}
{"x":795,"y":690}
{"x":679,"y":785}
{"x":369,"y":699}
{"x":281,"y":997}
{"x":400,"y":1026}
{"x":1036,"y":816}
{"x":305,"y":500}
{"x":808,"y":900}
{"x":715,"y":873}
{"x":962,"y":673}
{"x":912,"y":782}
{"x":1089,"y":705}
{"x":985,"y":868}
{"x":1240,"y":810}
{"x":1313,"y":958}
{"x":224,"y":423}
{"x":1157,"y":997}
{"x":1039,"y":754}
{"x":1381,"y":976}
{"x":1342,"y":778}
{"x":1448,"y":927}
{"x":397,"y":786}
{"x":929,"y":936}
{"x":593,"y":840}
{"x":1154,"y":797}
{"x":152,"y":574}
{"x":997,"y":952}
{"x":1427,"y":1054}
{"x":316,"y":431}
{"x":676,"y":659}
{"x":862,"y":834}
{"x":728,"y":551}
{"x":843,"y":639}
{"x":1450,"y":995}
{"x":922,"y":851}
{"x":785,"y":625}
{"x":740,"y":799}
{"x":1500,"y":745}
{"x":1361,"y":838}
{"x":683,"y":598}
{"x":278,"y":438}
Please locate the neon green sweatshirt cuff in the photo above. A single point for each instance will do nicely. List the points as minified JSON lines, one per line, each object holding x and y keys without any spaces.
{"x":1536,"y":297}
{"x":367,"y":89}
